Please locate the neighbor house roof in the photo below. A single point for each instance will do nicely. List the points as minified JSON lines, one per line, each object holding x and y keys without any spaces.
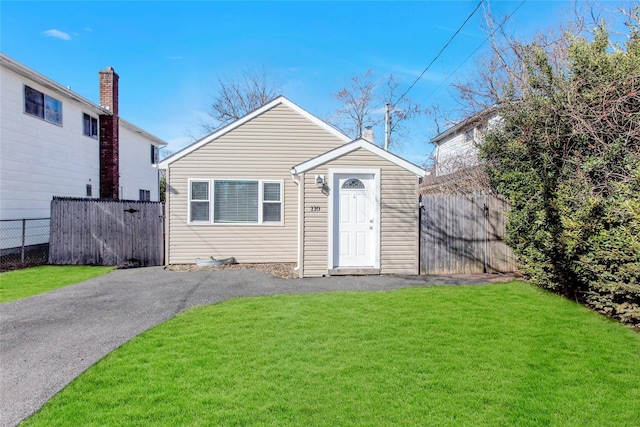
{"x":464,"y":124}
{"x":280,"y":100}
{"x":157,"y":141}
{"x":23,"y":70}
{"x":27,"y":72}
{"x":350,"y":147}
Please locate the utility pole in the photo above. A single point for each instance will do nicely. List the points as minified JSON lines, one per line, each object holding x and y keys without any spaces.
{"x":386,"y":128}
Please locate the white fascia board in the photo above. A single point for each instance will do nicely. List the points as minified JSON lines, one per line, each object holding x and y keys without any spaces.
{"x":255,"y":113}
{"x":24,"y":71}
{"x":436,"y":140}
{"x":315,"y":120}
{"x":350,"y":147}
{"x":154,"y":139}
{"x":471,"y":120}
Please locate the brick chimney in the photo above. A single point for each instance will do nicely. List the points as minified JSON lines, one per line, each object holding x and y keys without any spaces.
{"x":109,"y":136}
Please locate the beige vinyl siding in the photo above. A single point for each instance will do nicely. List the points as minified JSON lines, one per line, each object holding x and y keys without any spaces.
{"x":264,"y":148}
{"x":315,"y":237}
{"x":398,"y":215}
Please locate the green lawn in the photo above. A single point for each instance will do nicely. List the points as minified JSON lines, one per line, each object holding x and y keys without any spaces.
{"x":27,"y":282}
{"x":499,"y":355}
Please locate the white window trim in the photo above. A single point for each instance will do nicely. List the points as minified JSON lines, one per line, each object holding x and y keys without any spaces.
{"x":189,"y":221}
{"x":260,"y":222}
{"x":261,"y":201}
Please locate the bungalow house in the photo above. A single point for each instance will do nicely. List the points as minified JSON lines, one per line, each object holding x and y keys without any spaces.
{"x":457,"y":147}
{"x":280,"y":185}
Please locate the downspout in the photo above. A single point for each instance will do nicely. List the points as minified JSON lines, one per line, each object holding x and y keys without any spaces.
{"x":300,"y":207}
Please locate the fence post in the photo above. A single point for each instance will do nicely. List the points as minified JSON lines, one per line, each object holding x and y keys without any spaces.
{"x":24,"y":239}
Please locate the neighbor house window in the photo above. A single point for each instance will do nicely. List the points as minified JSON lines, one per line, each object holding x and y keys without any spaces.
{"x":145,"y":195}
{"x":481,"y":130}
{"x":155,"y":154}
{"x":468,"y":135}
{"x":89,"y":126}
{"x":33,"y":102}
{"x":89,"y":190}
{"x":236,"y":202}
{"x":40,"y":105}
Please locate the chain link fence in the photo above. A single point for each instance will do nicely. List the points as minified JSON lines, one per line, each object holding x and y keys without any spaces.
{"x":23,"y":242}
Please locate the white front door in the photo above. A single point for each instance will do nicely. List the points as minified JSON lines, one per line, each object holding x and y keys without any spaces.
{"x":355,"y":228}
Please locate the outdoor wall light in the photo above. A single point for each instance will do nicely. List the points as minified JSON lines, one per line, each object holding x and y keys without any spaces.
{"x":320,"y":181}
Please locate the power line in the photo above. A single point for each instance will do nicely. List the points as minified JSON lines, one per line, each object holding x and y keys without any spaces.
{"x":476,"y":50}
{"x":439,"y":53}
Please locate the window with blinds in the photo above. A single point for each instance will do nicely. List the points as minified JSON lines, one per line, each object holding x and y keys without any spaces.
{"x":236,"y":202}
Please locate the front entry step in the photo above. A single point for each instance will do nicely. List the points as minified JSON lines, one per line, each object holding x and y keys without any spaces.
{"x":346,"y":271}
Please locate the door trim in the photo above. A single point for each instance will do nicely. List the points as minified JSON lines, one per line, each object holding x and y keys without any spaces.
{"x":332,"y":211}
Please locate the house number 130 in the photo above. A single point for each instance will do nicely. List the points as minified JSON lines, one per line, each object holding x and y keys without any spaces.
{"x":315,"y":208}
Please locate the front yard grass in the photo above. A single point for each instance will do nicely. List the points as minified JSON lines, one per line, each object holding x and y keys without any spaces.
{"x":27,"y":282}
{"x":499,"y":355}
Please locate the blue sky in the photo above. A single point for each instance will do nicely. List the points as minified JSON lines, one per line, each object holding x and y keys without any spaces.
{"x":169,"y":55}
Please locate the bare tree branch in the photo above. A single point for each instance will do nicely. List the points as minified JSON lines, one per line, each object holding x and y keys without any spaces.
{"x":239,"y":96}
{"x":363,"y":104}
{"x":358,"y":100}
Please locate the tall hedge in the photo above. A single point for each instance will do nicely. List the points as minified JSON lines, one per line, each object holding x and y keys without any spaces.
{"x":567,"y":155}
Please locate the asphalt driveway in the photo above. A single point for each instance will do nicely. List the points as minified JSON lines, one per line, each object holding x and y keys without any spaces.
{"x":48,"y":340}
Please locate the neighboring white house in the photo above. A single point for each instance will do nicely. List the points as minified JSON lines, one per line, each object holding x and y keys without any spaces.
{"x":54,"y":142}
{"x":456,"y":148}
{"x":139,"y":155}
{"x":50,"y":145}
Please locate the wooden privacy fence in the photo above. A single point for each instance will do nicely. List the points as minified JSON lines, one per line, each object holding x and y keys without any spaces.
{"x":106,"y":232}
{"x":464,"y":234}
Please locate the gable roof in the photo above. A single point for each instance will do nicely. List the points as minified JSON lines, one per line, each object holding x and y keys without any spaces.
{"x":466,"y":123}
{"x":353,"y":146}
{"x":280,"y":100}
{"x":133,"y":128}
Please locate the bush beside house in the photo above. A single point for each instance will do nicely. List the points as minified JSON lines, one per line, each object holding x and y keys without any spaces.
{"x":568,"y":159}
